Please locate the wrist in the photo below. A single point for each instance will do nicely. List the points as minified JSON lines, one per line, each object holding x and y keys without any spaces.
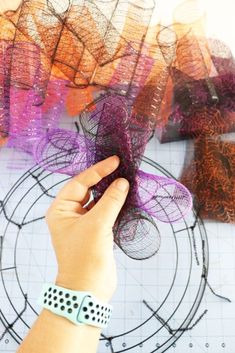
{"x":73,"y":283}
{"x":80,"y":307}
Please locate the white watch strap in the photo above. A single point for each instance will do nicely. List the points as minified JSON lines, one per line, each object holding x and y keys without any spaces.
{"x":78,"y":307}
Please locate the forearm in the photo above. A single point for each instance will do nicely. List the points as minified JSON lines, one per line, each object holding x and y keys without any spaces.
{"x":83,"y":241}
{"x":54,"y":334}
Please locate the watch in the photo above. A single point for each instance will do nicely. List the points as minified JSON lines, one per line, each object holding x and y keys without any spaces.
{"x":77,"y":306}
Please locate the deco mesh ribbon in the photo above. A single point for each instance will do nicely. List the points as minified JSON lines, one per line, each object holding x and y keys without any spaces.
{"x":210,"y":174}
{"x":150,"y":198}
{"x":200,"y":104}
{"x":66,"y":56}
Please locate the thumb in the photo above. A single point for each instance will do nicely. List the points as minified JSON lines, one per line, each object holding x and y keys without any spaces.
{"x":112,"y":201}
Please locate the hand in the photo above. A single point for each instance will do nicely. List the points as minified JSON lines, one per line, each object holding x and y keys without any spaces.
{"x":82,"y":234}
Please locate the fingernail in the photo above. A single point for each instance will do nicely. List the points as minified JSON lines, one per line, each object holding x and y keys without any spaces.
{"x":122,"y":184}
{"x":116,"y":157}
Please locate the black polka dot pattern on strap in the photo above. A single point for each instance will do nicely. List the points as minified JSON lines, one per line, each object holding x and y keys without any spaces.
{"x":78,"y":307}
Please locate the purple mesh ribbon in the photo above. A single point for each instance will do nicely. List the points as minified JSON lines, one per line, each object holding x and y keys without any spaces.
{"x":4,"y":90}
{"x":110,"y":130}
{"x":25,"y":115}
{"x":26,"y":109}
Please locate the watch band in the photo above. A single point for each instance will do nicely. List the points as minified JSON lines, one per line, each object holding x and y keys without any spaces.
{"x":78,"y":307}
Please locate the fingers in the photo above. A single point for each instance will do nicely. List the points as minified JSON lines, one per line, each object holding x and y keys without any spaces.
{"x":78,"y":187}
{"x":110,"y":204}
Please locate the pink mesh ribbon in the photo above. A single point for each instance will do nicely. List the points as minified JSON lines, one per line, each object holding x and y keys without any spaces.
{"x":110,"y":130}
{"x":25,"y":109}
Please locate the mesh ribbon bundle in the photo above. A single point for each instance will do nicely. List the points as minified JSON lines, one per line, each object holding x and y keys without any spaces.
{"x":150,"y":198}
{"x":70,"y":55}
{"x":210,"y":174}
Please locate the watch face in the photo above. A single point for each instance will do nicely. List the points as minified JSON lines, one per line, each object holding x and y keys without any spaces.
{"x":157,"y":300}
